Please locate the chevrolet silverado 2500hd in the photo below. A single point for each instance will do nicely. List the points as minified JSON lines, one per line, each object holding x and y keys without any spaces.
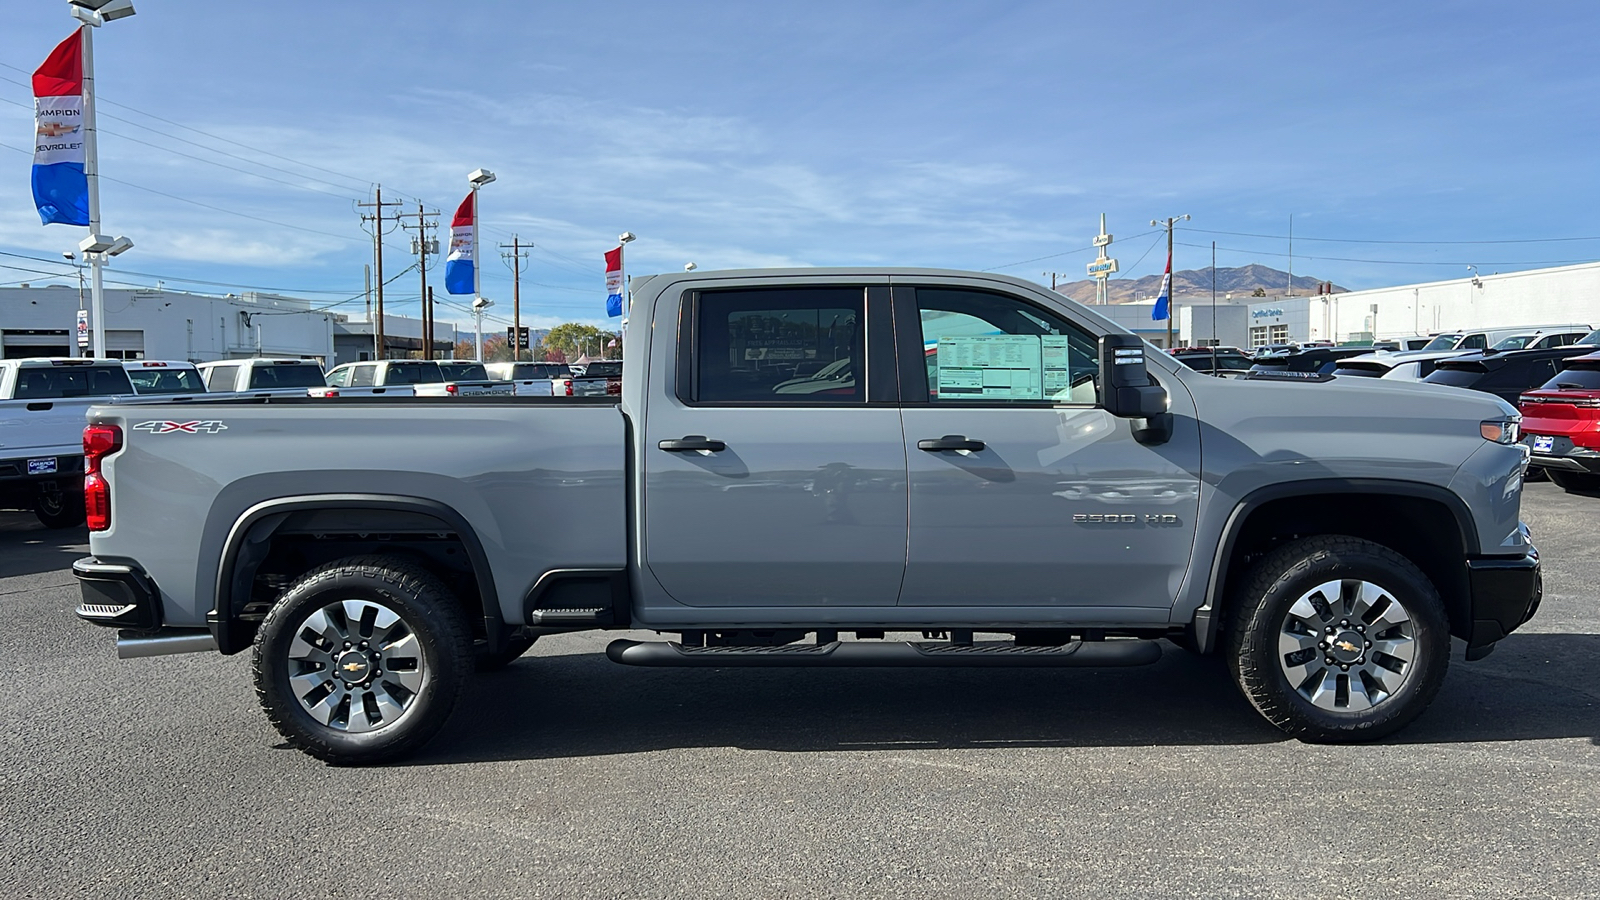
{"x":801,"y":465}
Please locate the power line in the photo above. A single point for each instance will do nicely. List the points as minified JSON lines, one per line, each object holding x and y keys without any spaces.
{"x":1405,"y":262}
{"x":1279,"y":237}
{"x":101,"y":99}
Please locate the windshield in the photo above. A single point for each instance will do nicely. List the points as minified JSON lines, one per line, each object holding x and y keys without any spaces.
{"x":1516,"y":342}
{"x":166,"y":381}
{"x":463,"y":371}
{"x":1592,"y":340}
{"x":287,"y":376}
{"x":1443,"y":342}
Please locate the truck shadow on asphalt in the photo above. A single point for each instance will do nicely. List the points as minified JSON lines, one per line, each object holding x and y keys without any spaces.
{"x":28,"y":548}
{"x":1532,"y":688}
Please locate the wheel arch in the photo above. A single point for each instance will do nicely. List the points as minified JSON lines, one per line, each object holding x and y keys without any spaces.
{"x":1426,"y":523}
{"x":250,"y":541}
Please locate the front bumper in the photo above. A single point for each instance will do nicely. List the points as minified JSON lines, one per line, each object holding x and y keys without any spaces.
{"x":1505,"y":593}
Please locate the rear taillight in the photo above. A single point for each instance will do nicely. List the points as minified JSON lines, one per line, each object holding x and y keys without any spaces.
{"x":452,"y":389}
{"x":567,"y":383}
{"x":99,"y":442}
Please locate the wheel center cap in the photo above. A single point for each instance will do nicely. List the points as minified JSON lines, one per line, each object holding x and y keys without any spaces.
{"x":1346,"y":647}
{"x":353,"y":667}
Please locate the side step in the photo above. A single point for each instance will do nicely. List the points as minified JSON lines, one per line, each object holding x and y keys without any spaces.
{"x":893,"y":653}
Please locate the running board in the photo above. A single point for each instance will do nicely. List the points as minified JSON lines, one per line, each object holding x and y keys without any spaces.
{"x":995,"y":654}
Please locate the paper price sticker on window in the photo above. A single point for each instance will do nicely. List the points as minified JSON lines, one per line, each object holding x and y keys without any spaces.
{"x":990,"y":367}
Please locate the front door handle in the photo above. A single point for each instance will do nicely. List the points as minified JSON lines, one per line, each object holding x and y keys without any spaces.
{"x":692,"y":442}
{"x":950,"y":442}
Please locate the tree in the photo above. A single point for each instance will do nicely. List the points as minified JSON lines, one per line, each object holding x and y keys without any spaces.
{"x":1259,"y":292}
{"x":573,"y":340}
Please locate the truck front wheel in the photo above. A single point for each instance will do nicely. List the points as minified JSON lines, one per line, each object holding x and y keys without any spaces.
{"x":362,"y":660}
{"x":1337,"y":639}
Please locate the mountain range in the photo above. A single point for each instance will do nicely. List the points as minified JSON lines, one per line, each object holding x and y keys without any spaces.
{"x":1192,"y":284}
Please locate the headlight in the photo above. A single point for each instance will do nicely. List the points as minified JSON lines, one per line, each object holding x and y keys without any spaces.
{"x":1501,"y":431}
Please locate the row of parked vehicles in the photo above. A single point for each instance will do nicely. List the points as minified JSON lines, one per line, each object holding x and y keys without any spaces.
{"x":1551,"y":373}
{"x":43,"y":402}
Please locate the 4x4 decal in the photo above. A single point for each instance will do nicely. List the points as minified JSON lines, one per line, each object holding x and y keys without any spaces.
{"x":211,"y":427}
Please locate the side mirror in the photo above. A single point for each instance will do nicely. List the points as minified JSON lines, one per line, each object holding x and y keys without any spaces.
{"x":1125,"y":386}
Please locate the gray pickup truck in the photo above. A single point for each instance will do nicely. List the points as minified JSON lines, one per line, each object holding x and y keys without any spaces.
{"x":804,"y":465}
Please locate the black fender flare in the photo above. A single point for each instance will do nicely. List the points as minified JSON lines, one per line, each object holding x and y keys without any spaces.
{"x":1206,"y":619}
{"x":255,"y":527}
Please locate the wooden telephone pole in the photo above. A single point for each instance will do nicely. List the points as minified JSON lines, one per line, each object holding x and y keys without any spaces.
{"x":378,"y":217}
{"x":515,"y":259}
{"x":422,"y":245}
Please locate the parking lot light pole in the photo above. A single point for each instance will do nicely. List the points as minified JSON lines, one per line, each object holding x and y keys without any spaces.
{"x":96,"y":248}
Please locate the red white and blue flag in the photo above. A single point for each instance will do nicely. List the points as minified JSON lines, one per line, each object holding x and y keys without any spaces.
{"x":1164,"y":299}
{"x":459,"y":265}
{"x":614,"y":282}
{"x":60,"y":187}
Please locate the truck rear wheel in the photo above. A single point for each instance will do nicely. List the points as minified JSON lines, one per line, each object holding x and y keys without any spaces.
{"x":59,"y":509}
{"x":1337,"y":639}
{"x":362,"y":660}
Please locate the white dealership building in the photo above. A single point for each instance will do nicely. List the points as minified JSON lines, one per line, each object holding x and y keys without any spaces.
{"x":1569,"y":295}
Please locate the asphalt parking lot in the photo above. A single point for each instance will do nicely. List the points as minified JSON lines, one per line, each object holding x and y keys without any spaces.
{"x":567,"y":776}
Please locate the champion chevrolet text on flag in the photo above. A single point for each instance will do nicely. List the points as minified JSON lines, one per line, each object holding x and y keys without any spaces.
{"x":60,"y":187}
{"x":1164,"y":299}
{"x":458,"y":265}
{"x":614,"y":282}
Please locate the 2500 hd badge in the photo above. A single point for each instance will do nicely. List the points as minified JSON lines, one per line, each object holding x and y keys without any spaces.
{"x":1124,"y":519}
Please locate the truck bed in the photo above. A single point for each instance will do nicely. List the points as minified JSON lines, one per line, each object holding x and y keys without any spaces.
{"x":540,"y":481}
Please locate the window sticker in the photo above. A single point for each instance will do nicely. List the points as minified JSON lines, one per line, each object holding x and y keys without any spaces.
{"x":991,"y":367}
{"x":1055,"y":355}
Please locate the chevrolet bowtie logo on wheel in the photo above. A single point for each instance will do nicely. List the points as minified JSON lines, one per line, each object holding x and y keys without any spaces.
{"x":211,"y":427}
{"x":351,"y":667}
{"x":1346,"y":646}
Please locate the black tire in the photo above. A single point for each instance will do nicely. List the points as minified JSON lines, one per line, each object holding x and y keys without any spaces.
{"x":1575,"y":482}
{"x":1261,"y":613}
{"x":515,"y":646}
{"x":59,"y":509}
{"x":437,"y":664}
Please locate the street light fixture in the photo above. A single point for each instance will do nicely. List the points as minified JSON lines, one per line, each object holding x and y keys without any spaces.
{"x":99,"y":12}
{"x":480,"y":177}
{"x":479,"y":304}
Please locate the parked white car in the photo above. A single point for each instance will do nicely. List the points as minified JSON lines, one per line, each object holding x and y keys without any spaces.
{"x":262,"y":377}
{"x":43,"y":405}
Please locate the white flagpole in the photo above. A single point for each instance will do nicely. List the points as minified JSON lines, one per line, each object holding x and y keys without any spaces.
{"x":91,"y":172}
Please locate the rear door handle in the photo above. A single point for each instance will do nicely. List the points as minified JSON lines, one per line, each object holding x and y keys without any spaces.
{"x":950,"y":442}
{"x":692,"y":442}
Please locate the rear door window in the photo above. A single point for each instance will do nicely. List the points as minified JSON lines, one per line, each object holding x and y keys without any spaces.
{"x":790,"y":345}
{"x":363,"y":375}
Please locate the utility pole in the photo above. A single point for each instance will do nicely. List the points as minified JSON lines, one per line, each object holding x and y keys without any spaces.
{"x":1171,"y":306}
{"x":422,"y":245}
{"x":515,"y":259}
{"x":378,"y":217}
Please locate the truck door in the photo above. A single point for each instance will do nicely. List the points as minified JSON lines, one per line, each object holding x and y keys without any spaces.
{"x":773,"y":461}
{"x":1023,"y":492}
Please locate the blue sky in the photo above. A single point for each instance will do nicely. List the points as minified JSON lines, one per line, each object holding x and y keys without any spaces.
{"x":968,"y":135}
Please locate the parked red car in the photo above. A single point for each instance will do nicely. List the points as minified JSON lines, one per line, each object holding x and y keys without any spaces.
{"x":1561,"y":425}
